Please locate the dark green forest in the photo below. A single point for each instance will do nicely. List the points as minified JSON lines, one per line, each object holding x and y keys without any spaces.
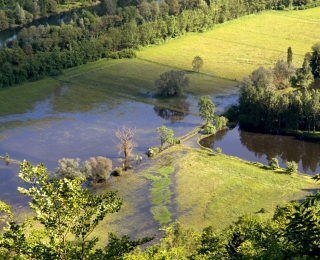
{"x":263,"y":104}
{"x":113,"y":32}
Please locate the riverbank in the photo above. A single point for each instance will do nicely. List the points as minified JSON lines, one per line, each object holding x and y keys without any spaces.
{"x":206,"y":189}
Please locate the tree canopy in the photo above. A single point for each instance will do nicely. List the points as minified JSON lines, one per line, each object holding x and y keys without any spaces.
{"x":171,"y":83}
{"x":206,"y":108}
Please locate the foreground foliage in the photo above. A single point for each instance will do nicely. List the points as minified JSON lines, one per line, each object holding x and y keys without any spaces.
{"x":68,"y":214}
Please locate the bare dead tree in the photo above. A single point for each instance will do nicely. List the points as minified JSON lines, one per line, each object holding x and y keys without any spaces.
{"x":125,"y":143}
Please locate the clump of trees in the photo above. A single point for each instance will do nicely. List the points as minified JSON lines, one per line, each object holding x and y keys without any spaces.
{"x":171,"y":83}
{"x":94,"y":170}
{"x":206,"y":112}
{"x":166,"y":135}
{"x":260,"y":104}
{"x":68,"y":215}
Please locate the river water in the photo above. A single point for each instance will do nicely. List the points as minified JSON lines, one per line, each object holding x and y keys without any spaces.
{"x":260,"y":147}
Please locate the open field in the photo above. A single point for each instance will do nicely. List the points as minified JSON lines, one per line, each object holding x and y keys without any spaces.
{"x":234,"y":49}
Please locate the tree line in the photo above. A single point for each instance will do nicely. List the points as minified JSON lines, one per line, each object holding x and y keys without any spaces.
{"x":113,"y":32}
{"x":262,"y":104}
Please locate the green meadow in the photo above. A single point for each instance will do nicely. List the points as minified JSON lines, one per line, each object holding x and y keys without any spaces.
{"x":235,"y":48}
{"x":205,"y":189}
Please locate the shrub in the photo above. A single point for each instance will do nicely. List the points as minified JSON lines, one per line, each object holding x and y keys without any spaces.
{"x":209,"y":129}
{"x":101,"y":168}
{"x":117,"y":171}
{"x":218,"y":150}
{"x":153,"y":151}
{"x":292,"y":167}
{"x":129,"y":54}
{"x":273,"y":164}
{"x":113,"y":55}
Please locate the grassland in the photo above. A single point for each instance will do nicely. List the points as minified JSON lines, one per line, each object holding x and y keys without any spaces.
{"x":234,"y":49}
{"x":206,"y":189}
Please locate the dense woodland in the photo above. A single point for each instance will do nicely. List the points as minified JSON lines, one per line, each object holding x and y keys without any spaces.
{"x":264,"y":101}
{"x":112,"y":32}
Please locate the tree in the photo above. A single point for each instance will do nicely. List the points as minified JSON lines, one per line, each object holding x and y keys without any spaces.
{"x":206,"y":108}
{"x":273,"y":164}
{"x":220,"y":121}
{"x":315,"y":60}
{"x":282,"y":73}
{"x":20,"y":14}
{"x":304,"y":75}
{"x":289,"y":56}
{"x":68,"y":213}
{"x":101,"y":169}
{"x":197,"y":63}
{"x":292,"y":167}
{"x":125,"y":143}
{"x":166,"y":135}
{"x":171,"y":83}
{"x":70,"y":168}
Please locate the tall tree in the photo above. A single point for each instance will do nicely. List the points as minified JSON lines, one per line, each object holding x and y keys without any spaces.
{"x":206,"y":108}
{"x":289,"y":56}
{"x":315,"y":60}
{"x":304,"y":75}
{"x":126,"y":143}
{"x":166,"y":135}
{"x":68,"y":213}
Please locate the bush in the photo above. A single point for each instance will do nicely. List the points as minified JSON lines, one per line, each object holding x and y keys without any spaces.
{"x":292,"y":167}
{"x":117,"y":171}
{"x":273,"y":164}
{"x":153,"y":151}
{"x":171,"y":83}
{"x":113,"y":55}
{"x":218,"y":150}
{"x":209,"y":129}
{"x":129,"y":54}
{"x":101,"y":169}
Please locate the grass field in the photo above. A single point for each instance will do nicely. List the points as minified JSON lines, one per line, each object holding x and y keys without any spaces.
{"x":234,"y":49}
{"x":206,"y":189}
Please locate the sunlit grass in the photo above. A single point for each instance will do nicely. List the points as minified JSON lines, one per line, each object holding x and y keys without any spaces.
{"x":234,"y":49}
{"x":216,"y":189}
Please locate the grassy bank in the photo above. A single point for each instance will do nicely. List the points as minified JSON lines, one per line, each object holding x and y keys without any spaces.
{"x":206,"y":189}
{"x":235,"y":48}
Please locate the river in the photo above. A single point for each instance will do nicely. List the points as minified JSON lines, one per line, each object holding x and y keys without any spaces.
{"x":261,"y":147}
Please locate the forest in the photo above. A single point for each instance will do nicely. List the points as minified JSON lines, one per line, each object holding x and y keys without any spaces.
{"x":113,"y":32}
{"x":262,"y":102}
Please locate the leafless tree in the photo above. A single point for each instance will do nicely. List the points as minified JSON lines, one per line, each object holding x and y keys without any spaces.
{"x":125,"y":143}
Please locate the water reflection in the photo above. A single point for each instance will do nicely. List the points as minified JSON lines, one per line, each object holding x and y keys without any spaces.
{"x":175,"y":111}
{"x":262,"y":147}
